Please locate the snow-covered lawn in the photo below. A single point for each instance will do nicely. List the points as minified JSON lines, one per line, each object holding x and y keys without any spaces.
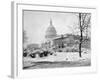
{"x":60,"y":57}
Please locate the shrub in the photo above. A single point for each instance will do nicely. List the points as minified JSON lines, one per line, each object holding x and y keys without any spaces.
{"x":32,"y":55}
{"x":24,"y":54}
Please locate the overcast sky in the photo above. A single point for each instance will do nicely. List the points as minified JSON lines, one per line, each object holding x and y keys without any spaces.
{"x":36,"y":23}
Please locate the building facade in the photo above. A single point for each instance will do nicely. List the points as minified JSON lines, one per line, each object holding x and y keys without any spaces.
{"x":57,"y":41}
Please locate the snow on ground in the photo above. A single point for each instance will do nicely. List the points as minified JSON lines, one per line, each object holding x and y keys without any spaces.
{"x":60,"y":57}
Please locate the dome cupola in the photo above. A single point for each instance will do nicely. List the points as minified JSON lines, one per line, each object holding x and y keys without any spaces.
{"x":51,"y":31}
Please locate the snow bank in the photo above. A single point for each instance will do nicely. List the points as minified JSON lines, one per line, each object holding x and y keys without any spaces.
{"x":62,"y":56}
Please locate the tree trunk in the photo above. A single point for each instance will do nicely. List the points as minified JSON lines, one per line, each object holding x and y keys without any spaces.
{"x":81,"y":36}
{"x":80,"y":45}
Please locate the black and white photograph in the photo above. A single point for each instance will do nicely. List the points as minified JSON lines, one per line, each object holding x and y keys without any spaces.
{"x":55,"y":39}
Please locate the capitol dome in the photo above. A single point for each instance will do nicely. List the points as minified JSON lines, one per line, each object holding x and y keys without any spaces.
{"x":51,"y":31}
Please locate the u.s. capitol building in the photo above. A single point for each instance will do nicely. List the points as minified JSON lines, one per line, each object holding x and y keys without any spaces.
{"x":53,"y":40}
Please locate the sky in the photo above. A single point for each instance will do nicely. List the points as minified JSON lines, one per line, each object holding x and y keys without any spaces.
{"x":36,"y":23}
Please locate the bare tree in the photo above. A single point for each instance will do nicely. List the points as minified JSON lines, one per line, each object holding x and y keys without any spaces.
{"x":74,"y":29}
{"x":84,"y":23}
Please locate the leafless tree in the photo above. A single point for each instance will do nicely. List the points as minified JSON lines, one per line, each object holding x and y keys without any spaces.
{"x":84,"y":24}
